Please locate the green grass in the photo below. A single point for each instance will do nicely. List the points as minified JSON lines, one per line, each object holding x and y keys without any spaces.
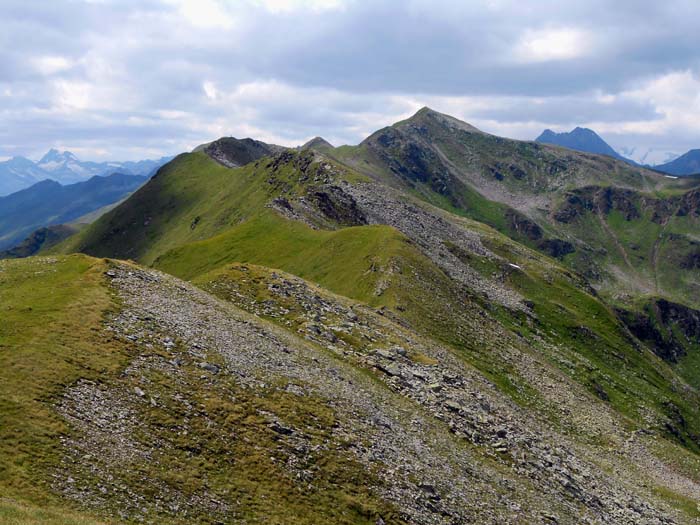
{"x":586,"y":332}
{"x":51,"y":335}
{"x":13,"y":512}
{"x":230,"y":454}
{"x":464,"y":167}
{"x":379,"y":266}
{"x":194,"y":198}
{"x":350,"y":261}
{"x":196,"y":218}
{"x":49,"y":330}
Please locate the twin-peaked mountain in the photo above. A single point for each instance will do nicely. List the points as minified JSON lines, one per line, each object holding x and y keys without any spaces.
{"x":587,"y":140}
{"x":580,"y":139}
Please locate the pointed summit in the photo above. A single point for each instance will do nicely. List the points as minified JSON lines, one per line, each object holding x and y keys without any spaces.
{"x":429,"y":117}
{"x":318,"y":143}
{"x":50,"y":156}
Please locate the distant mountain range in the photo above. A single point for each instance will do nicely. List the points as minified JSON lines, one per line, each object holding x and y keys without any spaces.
{"x":19,"y":173}
{"x":48,"y":203}
{"x":587,"y":140}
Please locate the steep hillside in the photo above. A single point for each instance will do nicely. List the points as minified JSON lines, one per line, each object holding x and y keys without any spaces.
{"x":304,"y":214}
{"x":498,"y":351}
{"x":208,"y":447}
{"x":192,"y":411}
{"x":47,"y":203}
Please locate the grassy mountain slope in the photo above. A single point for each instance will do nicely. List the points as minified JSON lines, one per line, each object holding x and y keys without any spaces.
{"x":195,"y":402}
{"x":375,"y":264}
{"x":172,"y":361}
{"x":565,"y":203}
{"x":54,"y":341}
{"x":275,"y":242}
{"x":558,"y":366}
{"x":51,"y":309}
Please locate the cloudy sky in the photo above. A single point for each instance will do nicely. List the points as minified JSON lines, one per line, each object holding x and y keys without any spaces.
{"x":128,"y":79}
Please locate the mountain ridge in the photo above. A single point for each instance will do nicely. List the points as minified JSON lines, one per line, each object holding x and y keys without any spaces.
{"x":525,"y":190}
{"x":422,"y":277}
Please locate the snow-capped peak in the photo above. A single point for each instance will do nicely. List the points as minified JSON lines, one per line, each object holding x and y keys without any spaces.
{"x":55,"y":157}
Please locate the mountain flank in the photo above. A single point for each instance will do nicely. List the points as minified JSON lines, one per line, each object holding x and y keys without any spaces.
{"x":436,"y":326}
{"x":600,"y":216}
{"x":686,"y":164}
{"x":40,"y":239}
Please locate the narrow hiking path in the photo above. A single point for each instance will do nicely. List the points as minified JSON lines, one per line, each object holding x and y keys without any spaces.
{"x":657,"y":246}
{"x":614,"y":238}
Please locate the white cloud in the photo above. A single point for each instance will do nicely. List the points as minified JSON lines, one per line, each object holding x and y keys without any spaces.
{"x":172,"y":115}
{"x":676,"y":96}
{"x":207,"y":14}
{"x":281,"y":6}
{"x":210,"y":90}
{"x":168,"y":74}
{"x":545,"y":45}
{"x":70,"y":95}
{"x":50,"y":65}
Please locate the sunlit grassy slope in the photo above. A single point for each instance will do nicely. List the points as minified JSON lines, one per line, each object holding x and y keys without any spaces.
{"x":52,"y":334}
{"x":197,"y":216}
{"x":49,"y":337}
{"x":470,"y":173}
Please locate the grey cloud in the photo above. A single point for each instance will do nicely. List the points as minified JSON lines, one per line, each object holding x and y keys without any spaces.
{"x":568,"y":110}
{"x":341,"y":72}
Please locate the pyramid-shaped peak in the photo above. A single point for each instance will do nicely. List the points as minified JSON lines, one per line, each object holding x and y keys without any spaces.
{"x":317,"y":143}
{"x":429,"y":115}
